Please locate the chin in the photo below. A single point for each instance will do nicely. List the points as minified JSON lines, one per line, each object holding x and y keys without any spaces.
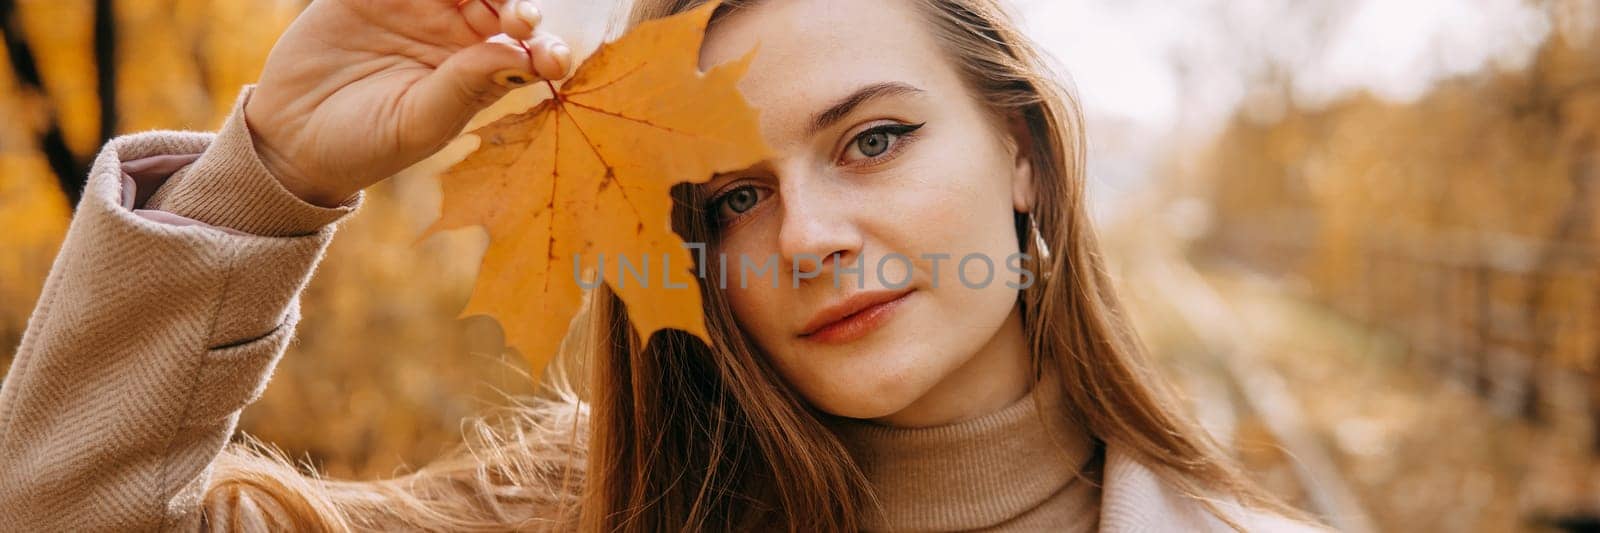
{"x":875,"y":377}
{"x":865,"y":407}
{"x":868,"y":394}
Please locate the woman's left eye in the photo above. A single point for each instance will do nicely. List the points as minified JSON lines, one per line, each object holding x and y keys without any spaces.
{"x":879,"y":140}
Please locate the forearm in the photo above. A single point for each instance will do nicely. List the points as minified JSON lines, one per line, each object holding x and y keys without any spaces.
{"x":155,"y":327}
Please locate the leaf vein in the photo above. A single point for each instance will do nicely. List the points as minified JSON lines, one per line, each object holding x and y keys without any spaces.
{"x":609,"y":83}
{"x":628,"y":118}
{"x":611,"y":172}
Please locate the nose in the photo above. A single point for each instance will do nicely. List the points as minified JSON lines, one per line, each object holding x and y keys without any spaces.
{"x":819,"y":222}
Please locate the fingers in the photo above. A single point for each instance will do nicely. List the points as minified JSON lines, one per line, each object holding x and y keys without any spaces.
{"x":516,"y":18}
{"x":474,"y":77}
{"x":478,"y":75}
{"x":552,"y":58}
{"x":482,"y":16}
{"x":549,"y":57}
{"x":520,"y":20}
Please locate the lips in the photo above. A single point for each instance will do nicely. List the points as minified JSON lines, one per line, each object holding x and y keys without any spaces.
{"x":853,"y":316}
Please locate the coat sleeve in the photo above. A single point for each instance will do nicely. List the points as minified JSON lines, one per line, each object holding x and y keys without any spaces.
{"x":173,"y":295}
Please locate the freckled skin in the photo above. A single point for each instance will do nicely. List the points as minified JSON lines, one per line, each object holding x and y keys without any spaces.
{"x":949,"y":352}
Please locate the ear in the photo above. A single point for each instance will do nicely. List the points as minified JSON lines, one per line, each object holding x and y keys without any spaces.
{"x":1020,"y":143}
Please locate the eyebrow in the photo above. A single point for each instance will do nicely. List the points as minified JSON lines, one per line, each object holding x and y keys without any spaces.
{"x":838,"y":111}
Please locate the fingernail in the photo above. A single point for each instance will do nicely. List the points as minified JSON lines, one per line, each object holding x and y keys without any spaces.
{"x":513,"y":78}
{"x":528,"y":13}
{"x":563,"y":56}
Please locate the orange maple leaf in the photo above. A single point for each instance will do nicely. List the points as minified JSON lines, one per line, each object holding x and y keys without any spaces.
{"x":589,"y":172}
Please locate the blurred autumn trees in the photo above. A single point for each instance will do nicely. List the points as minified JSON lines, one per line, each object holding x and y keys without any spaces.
{"x":1463,"y":228}
{"x":1464,"y":221}
{"x":381,"y":374}
{"x":77,"y":72}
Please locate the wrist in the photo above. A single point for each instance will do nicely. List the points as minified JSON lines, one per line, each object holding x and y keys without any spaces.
{"x":287,"y":174}
{"x":230,"y":186}
{"x":291,"y":181}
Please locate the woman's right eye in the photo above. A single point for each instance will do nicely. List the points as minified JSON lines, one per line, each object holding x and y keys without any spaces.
{"x":736,"y":202}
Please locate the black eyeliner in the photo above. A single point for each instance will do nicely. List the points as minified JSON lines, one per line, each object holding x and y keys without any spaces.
{"x":897,"y":129}
{"x":902,"y":131}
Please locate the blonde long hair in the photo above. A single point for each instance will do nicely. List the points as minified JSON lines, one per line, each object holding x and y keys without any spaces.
{"x":668,"y":433}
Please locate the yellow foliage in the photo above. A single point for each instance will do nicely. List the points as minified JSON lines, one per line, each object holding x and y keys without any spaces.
{"x":62,"y":39}
{"x":1465,"y":223}
{"x":34,"y":215}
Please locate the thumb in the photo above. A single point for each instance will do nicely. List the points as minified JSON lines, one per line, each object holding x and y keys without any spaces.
{"x":468,"y":81}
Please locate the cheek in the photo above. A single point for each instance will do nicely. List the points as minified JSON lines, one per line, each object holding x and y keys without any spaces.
{"x":962,"y":207}
{"x":750,"y":307}
{"x":757,"y":305}
{"x":961,"y":204}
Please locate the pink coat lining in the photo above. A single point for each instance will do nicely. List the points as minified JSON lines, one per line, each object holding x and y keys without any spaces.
{"x":140,"y":179}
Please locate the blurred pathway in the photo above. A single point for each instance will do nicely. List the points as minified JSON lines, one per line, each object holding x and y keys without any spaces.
{"x":1338,"y":418}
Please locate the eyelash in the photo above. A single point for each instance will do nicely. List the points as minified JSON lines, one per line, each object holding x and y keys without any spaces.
{"x":903,"y":133}
{"x":714,"y":206}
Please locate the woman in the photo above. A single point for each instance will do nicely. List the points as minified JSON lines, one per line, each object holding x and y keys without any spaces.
{"x":909,"y":127}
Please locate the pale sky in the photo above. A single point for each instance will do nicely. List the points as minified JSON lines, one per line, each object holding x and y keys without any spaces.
{"x":1156,"y":73}
{"x":1128,"y":57}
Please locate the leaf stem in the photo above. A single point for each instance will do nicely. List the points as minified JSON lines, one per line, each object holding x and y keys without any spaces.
{"x":525,"y":50}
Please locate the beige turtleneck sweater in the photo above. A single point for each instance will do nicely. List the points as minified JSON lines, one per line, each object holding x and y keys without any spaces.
{"x":1022,"y":468}
{"x":176,"y":291}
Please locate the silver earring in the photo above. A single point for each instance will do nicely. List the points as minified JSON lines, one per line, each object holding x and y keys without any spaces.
{"x":1044,"y":249}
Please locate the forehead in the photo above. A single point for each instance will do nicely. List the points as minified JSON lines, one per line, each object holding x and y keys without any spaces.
{"x":812,"y":52}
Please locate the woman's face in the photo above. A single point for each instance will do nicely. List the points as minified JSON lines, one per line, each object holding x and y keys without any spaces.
{"x":880,"y":152}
